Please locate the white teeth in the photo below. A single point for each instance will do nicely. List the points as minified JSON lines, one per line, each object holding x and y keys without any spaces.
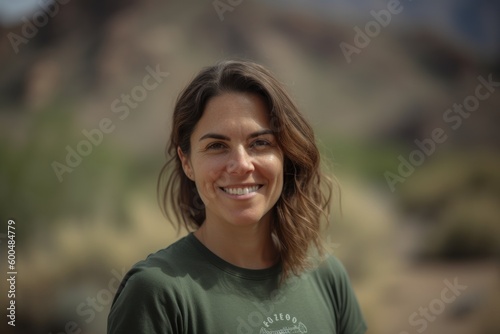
{"x":241,"y":191}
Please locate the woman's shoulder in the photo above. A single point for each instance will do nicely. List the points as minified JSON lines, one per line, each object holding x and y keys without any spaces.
{"x":331,"y":270}
{"x":163,"y":266}
{"x":151,"y":285}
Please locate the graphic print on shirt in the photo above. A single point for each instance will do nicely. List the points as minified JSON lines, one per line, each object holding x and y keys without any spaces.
{"x":286,"y":324}
{"x":274,"y":323}
{"x":267,"y":317}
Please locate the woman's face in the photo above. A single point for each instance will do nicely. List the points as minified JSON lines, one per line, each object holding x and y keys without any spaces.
{"x":235,"y":160}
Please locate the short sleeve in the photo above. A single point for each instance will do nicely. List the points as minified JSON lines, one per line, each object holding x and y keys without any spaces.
{"x":143,"y":305}
{"x":350,"y":317}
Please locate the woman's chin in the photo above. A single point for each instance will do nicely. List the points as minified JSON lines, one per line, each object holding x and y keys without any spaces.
{"x":246,"y":219}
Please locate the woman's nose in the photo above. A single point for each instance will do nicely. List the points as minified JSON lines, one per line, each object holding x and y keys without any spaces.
{"x":240,"y":162}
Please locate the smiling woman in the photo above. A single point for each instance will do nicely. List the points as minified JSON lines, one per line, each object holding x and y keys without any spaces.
{"x":237,"y":167}
{"x":244,"y":176}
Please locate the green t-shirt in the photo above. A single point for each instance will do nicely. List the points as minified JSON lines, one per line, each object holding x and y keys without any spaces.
{"x":185,"y":288}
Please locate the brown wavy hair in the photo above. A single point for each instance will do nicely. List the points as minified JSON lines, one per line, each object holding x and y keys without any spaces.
{"x":304,"y":203}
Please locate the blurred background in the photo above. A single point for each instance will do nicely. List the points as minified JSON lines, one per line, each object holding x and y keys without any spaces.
{"x":85,"y":107}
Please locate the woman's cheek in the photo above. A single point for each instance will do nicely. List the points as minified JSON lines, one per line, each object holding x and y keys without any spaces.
{"x":210,"y":182}
{"x":272,"y":162}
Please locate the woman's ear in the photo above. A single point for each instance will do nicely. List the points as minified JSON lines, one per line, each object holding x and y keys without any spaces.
{"x":186,"y":164}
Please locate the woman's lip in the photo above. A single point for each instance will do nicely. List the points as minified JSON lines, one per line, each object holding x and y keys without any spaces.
{"x":258,"y":186}
{"x":242,"y":196}
{"x":241,"y":185}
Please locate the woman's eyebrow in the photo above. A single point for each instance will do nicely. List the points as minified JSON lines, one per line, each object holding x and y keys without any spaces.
{"x":223,"y":137}
{"x":214,"y":136}
{"x":261,"y":132}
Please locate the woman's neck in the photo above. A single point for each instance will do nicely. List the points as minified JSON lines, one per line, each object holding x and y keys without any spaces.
{"x":250,"y":247}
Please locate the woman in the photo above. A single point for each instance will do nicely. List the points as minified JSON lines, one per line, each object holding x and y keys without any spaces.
{"x":244,"y":175}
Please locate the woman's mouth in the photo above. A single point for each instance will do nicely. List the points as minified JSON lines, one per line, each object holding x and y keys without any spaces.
{"x":241,"y":190}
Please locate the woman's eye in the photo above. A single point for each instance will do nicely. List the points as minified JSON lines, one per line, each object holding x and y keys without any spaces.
{"x":215,"y":146}
{"x":260,"y":143}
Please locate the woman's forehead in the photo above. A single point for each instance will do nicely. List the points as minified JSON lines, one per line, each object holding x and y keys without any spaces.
{"x":232,"y":111}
